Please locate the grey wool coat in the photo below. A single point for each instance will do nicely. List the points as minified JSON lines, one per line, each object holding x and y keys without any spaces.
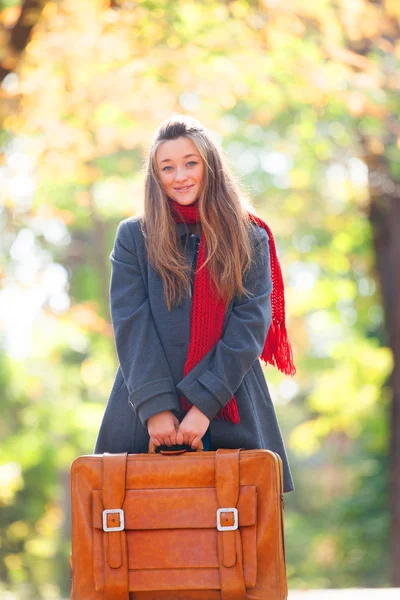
{"x":152,"y":345}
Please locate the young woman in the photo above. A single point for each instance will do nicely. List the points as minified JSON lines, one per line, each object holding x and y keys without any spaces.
{"x":196,"y":299}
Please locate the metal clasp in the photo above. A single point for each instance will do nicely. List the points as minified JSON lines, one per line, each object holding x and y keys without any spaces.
{"x":227,"y":527}
{"x":117,"y":511}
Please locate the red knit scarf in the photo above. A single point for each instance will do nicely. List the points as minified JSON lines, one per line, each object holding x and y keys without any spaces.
{"x":208,"y":312}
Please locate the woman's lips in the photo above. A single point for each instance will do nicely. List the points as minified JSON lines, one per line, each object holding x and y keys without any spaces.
{"x":183,"y":190}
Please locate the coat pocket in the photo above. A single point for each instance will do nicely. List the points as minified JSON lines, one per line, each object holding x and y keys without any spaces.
{"x":253,"y":404}
{"x":119,"y":382}
{"x":260,"y":379}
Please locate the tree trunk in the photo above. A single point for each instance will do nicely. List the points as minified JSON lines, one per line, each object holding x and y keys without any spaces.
{"x":19,"y":35}
{"x":384,"y":215}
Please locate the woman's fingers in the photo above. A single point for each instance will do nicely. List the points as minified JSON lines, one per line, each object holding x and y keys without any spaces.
{"x":195,"y":443}
{"x":188,"y":439}
{"x":172,"y":436}
{"x":179,"y":438}
{"x":161,"y":428}
{"x":169,"y":440}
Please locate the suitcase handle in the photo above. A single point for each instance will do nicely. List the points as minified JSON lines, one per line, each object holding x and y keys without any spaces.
{"x":152,"y":448}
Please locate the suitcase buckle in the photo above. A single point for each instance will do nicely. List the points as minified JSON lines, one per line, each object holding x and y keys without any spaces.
{"x":108,"y":511}
{"x":227,"y":527}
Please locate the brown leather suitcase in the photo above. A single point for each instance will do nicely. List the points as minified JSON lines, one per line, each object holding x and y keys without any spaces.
{"x":178,"y":525}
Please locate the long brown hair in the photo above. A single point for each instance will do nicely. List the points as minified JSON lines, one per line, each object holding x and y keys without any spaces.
{"x":222,"y":208}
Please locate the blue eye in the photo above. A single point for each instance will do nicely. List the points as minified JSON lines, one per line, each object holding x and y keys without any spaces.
{"x":191,"y":162}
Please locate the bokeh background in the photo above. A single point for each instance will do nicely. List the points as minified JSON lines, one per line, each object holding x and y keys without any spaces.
{"x":304,"y":98}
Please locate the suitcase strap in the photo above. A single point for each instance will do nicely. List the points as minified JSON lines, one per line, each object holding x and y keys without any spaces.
{"x":229,"y":539}
{"x":116,"y":577}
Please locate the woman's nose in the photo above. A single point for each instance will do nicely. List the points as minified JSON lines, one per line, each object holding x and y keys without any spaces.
{"x":180,"y":175}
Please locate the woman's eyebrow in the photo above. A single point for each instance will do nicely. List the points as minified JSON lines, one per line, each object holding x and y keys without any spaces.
{"x":168,"y":159}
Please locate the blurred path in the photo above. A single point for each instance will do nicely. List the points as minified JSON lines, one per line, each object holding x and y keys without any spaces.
{"x":352,"y":594}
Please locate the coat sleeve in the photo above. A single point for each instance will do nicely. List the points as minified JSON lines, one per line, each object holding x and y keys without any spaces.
{"x":215,"y":378}
{"x":144,"y":366}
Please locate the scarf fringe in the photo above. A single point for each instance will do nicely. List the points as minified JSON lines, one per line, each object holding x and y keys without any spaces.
{"x":277,"y":349}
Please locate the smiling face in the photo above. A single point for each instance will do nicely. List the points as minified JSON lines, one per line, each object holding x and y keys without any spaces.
{"x":181,"y":170}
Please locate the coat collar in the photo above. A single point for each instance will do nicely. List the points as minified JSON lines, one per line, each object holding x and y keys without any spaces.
{"x":182,"y":229}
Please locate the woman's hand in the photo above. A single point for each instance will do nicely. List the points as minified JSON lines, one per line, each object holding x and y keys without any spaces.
{"x":192,"y":427}
{"x":161,"y":428}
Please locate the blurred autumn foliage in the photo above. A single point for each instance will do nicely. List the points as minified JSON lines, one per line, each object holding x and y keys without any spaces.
{"x":305,"y":100}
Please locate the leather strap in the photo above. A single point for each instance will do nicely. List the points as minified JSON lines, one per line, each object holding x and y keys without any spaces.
{"x":229,"y":542}
{"x":116,"y":579}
